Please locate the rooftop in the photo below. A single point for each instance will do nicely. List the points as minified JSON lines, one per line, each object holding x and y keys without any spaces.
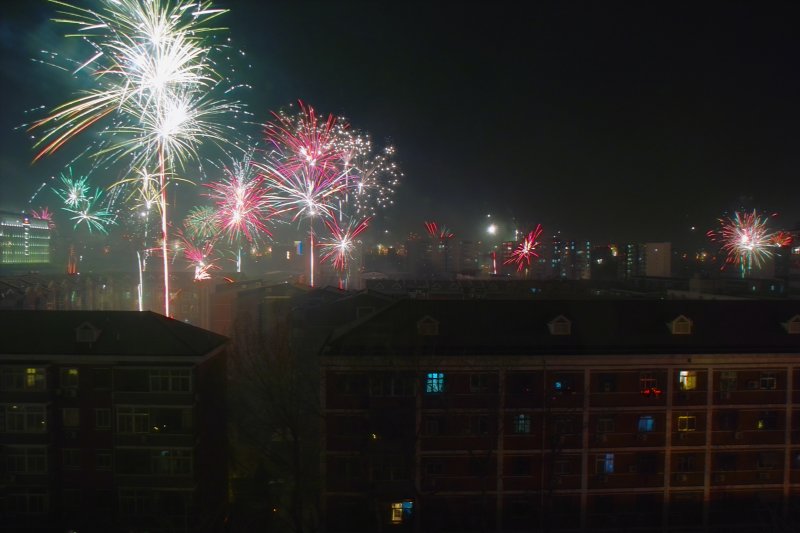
{"x":533,"y":327}
{"x":102,"y":333}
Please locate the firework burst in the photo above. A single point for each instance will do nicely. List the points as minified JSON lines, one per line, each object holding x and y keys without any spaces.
{"x":153,"y":74}
{"x":745,"y":239}
{"x":441,"y":233}
{"x":526,"y":250}
{"x":341,"y":243}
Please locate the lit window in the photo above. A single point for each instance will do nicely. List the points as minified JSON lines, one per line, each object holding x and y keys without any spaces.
{"x":647,"y":424}
{"x":402,"y":511}
{"x":687,"y":379}
{"x":434,"y":384}
{"x":605,"y":463}
{"x":687,"y":423}
{"x":34,"y":378}
{"x":21,"y":378}
{"x":522,"y":424}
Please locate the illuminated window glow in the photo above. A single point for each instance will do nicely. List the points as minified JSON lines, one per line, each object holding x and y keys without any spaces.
{"x":434,"y":383}
{"x":647,"y":424}
{"x":687,"y":379}
{"x":687,"y":423}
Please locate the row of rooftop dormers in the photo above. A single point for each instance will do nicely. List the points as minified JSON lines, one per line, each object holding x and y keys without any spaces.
{"x":575,"y":326}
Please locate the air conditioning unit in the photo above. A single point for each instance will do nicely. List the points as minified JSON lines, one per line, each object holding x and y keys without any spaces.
{"x":683,"y":477}
{"x":763,"y":476}
{"x":725,"y":395}
{"x":633,"y":469}
{"x":71,"y":393}
{"x":719,"y":478}
{"x":739,"y":435}
{"x":602,"y":437}
{"x":642,"y":437}
{"x":683,"y":436}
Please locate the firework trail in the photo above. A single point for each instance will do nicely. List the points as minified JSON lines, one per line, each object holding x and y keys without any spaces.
{"x":199,"y":256}
{"x":340,"y":245}
{"x":153,"y":76}
{"x":440,"y":233}
{"x":526,"y":250}
{"x":745,"y":239}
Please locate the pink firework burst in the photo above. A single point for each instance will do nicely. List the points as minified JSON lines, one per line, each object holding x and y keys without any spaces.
{"x":339,"y":246}
{"x":782,"y":238}
{"x":243,"y":206}
{"x":199,"y":256}
{"x":745,"y":239}
{"x":526,"y":250}
{"x":303,"y":140}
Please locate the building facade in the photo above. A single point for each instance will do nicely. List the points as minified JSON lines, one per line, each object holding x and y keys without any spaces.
{"x":564,"y":416}
{"x":110,"y":421}
{"x":24,"y":240}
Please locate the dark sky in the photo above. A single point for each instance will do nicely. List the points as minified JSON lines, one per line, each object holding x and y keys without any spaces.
{"x":607,"y":121}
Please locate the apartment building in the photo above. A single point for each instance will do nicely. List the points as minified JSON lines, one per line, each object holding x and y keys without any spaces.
{"x":110,"y":421}
{"x":564,"y":416}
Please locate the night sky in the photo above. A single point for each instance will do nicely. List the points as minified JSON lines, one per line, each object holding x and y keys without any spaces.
{"x":605,"y":121}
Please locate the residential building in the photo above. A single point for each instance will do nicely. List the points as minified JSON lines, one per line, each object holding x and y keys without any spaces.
{"x":565,"y":415}
{"x":111,"y":421}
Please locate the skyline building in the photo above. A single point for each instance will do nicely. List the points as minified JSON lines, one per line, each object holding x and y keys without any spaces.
{"x":24,"y":240}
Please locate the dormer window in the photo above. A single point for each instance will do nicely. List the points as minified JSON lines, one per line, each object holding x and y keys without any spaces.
{"x":792,"y":326}
{"x":86,"y":333}
{"x":680,"y":326}
{"x":560,"y":325}
{"x":428,"y":326}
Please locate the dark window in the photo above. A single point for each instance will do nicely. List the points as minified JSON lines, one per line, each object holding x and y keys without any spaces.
{"x":521,"y":466}
{"x":608,"y":383}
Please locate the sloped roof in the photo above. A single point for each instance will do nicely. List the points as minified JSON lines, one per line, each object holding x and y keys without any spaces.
{"x":519,"y":327}
{"x":121,"y":333}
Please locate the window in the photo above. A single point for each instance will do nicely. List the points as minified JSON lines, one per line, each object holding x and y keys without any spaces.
{"x":648,"y":385}
{"x":402,"y":511}
{"x":681,"y":326}
{"x":101,"y":378}
{"x":647,"y":463}
{"x":605,"y":425}
{"x":71,"y":417}
{"x":433,"y":426}
{"x":30,"y":501}
{"x":521,"y":466}
{"x":608,"y":383}
{"x":135,"y":501}
{"x":26,"y":460}
{"x":687,"y":423}
{"x":687,"y":380}
{"x":102,"y":418}
{"x":726,"y":462}
{"x":391,"y":386}
{"x":647,"y":424}
{"x":605,"y":463}
{"x":522,"y":424}
{"x":133,"y":420}
{"x":727,"y":381}
{"x":23,"y":418}
{"x":171,"y":462}
{"x":564,"y":425}
{"x":479,"y":424}
{"x":22,"y":378}
{"x":562,"y":385}
{"x":102,"y":460}
{"x":434,"y":468}
{"x":560,"y":326}
{"x":434,"y":383}
{"x":562,"y":468}
{"x":768,"y":381}
{"x":767,"y":420}
{"x":685,"y":463}
{"x":170,"y":380}
{"x":69,"y":378}
{"x":478,"y":383}
{"x":72,"y":458}
{"x":728,"y":420}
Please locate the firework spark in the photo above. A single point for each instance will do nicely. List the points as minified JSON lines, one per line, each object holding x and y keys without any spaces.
{"x":745,"y":239}
{"x":526,"y":250}
{"x":89,"y":211}
{"x":199,"y":256}
{"x":201,"y":223}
